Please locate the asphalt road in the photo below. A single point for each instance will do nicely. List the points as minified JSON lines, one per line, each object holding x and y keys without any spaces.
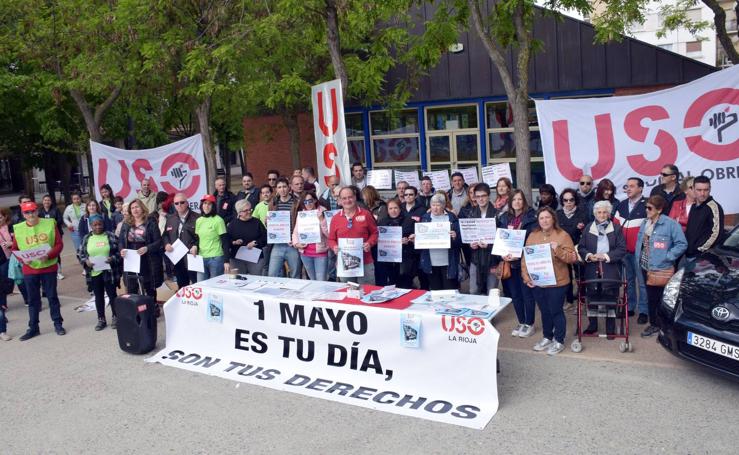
{"x":81,"y":394}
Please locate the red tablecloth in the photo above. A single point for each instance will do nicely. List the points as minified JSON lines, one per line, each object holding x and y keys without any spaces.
{"x":401,"y":303}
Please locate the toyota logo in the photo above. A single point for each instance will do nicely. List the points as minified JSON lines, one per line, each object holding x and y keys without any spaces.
{"x":720,"y":313}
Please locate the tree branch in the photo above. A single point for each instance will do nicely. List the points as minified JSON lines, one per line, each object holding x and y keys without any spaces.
{"x":496,"y":53}
{"x":105,"y":105}
{"x":334,"y":44}
{"x":719,"y":21}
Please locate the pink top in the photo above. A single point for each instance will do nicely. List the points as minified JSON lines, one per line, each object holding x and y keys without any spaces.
{"x":6,"y":237}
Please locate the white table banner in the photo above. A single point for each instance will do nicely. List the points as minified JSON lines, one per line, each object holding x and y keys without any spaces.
{"x":346,"y":353}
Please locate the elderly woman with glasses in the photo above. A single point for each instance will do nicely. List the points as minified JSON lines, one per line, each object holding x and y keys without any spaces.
{"x":602,"y":249}
{"x":248,"y":232}
{"x":441,"y":265}
{"x":659,"y":245}
{"x":314,"y":256}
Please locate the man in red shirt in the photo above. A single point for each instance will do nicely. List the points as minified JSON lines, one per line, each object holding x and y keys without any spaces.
{"x":354,"y":222}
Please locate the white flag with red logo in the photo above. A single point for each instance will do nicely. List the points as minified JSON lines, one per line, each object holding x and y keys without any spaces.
{"x":332,"y":155}
{"x":695,"y":126}
{"x":175,"y":168}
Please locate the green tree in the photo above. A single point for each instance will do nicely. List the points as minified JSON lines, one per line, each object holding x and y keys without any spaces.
{"x":505,"y":24}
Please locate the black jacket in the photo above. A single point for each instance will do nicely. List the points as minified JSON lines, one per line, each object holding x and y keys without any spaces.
{"x":416,"y":212}
{"x":481,"y":256}
{"x":172,"y":227}
{"x":569,"y":225}
{"x":153,"y":240}
{"x":409,"y":266}
{"x":676,"y":195}
{"x":248,"y":231}
{"x":252,"y":196}
{"x":705,"y":227}
{"x":225,"y":205}
{"x":616,"y":251}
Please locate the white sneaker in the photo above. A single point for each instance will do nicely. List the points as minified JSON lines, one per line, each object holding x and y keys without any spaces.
{"x":59,"y":276}
{"x":517,"y":331}
{"x":526,"y":331}
{"x":5,"y":337}
{"x":555,"y":348}
{"x":542,"y":344}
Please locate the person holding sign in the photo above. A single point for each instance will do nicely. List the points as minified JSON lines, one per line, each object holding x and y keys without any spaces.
{"x":519,"y":216}
{"x":181,"y":226}
{"x":99,"y":256}
{"x":284,"y":251}
{"x":140,"y":233}
{"x":441,"y":265}
{"x":248,"y":233}
{"x":482,"y":278}
{"x":37,"y":245}
{"x":313,"y":255}
{"x":212,"y":240}
{"x":551,"y":298}
{"x":399,"y":274}
{"x":354,"y":222}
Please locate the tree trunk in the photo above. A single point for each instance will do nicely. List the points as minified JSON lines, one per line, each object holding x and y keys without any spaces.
{"x":202,"y":112}
{"x":226,"y":160}
{"x":93,"y":120}
{"x":66,"y":170}
{"x":28,"y":183}
{"x":290,"y":119}
{"x":517,"y":92}
{"x":334,"y":45}
{"x":719,"y":21}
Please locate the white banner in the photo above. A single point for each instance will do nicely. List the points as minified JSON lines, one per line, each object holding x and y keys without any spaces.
{"x":347,"y":353}
{"x":332,"y":155}
{"x":695,"y":126}
{"x":175,"y":168}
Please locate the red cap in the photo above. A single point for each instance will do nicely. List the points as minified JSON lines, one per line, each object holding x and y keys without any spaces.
{"x":29,"y":207}
{"x":209,"y":197}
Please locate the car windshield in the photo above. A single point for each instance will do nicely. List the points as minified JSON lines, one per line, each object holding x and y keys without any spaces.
{"x":732,"y":241}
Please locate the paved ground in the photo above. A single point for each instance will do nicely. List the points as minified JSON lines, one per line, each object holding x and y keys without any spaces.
{"x":81,"y":394}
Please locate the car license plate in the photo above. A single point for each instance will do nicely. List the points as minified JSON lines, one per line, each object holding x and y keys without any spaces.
{"x":715,"y":346}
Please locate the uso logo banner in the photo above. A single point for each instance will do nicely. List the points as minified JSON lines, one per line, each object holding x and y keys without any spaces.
{"x":413,"y":362}
{"x":175,"y":168}
{"x":695,"y":126}
{"x":332,"y":154}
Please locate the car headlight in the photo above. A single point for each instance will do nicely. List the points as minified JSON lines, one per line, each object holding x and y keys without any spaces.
{"x":672,"y":290}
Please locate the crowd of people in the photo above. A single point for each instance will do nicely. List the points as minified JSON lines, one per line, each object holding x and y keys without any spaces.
{"x":590,"y":232}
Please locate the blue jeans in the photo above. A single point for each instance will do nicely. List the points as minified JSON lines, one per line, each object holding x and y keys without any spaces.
{"x":553,"y":321}
{"x":315,"y":267}
{"x":479,"y":288}
{"x":33,"y":288}
{"x":282,"y":252}
{"x":521,"y":297}
{"x":633,"y":275}
{"x":213,"y":268}
{"x":76,"y":240}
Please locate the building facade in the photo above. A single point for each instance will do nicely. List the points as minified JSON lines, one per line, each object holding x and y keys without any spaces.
{"x":459,"y":117}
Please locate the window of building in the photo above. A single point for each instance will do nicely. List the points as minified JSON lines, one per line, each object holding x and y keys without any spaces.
{"x":502,"y":143}
{"x":394,"y":138}
{"x":693,"y":46}
{"x":667,"y":47}
{"x":693,"y":15}
{"x":355,"y":137}
{"x":452,"y":136}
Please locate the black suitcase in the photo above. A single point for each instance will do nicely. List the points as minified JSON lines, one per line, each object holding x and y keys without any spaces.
{"x":137,"y":323}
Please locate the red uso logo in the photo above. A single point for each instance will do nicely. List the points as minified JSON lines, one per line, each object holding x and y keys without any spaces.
{"x":329,"y":150}
{"x":462,"y":325}
{"x":178,"y":173}
{"x":714,"y":105}
{"x":189,"y":292}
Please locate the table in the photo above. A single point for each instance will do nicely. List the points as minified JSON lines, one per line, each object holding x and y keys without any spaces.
{"x":337,"y":350}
